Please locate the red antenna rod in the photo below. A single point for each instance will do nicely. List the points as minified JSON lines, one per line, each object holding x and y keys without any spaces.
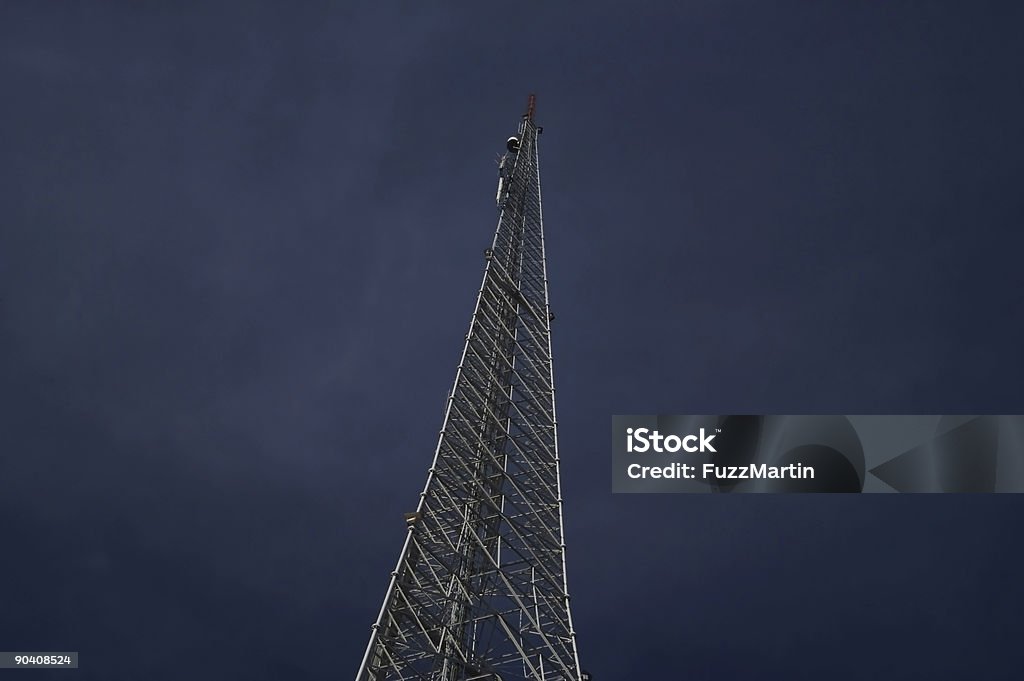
{"x":529,"y":108}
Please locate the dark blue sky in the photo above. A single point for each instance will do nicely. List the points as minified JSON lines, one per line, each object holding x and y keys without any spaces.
{"x":239,"y":248}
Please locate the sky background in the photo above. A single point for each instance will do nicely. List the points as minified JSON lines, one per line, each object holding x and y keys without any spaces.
{"x":239,"y":249}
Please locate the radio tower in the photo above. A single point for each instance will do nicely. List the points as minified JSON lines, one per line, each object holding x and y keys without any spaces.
{"x":479,"y":591}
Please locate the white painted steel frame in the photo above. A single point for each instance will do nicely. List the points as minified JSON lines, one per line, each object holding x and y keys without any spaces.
{"x":480,"y":590}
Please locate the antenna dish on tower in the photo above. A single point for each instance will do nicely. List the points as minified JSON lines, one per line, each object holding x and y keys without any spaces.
{"x":512,"y":144}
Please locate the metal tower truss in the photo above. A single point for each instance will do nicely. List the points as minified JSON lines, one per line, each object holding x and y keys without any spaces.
{"x":479,"y":591}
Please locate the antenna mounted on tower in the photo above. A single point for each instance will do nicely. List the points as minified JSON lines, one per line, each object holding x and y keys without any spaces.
{"x":530,"y":105}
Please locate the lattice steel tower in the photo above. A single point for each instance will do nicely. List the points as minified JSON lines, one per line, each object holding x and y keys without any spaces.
{"x":480,"y":591}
